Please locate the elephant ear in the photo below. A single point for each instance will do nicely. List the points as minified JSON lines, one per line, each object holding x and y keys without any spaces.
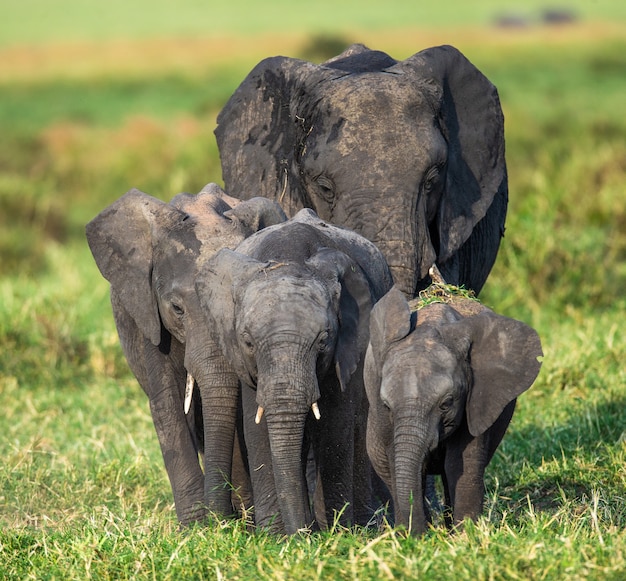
{"x":121,"y":239}
{"x":218,"y":282}
{"x":355,"y":305}
{"x":390,"y":321}
{"x":472,"y":123}
{"x":258,"y":131}
{"x":504,"y":356}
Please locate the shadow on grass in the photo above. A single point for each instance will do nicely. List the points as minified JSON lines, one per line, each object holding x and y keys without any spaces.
{"x":567,"y":465}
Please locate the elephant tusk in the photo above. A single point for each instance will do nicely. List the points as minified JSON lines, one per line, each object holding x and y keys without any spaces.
{"x":316,"y":411}
{"x":188,"y":392}
{"x":259,"y":415}
{"x":435,"y":275}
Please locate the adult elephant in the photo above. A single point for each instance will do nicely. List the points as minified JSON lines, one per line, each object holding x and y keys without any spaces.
{"x":150,"y":252}
{"x":408,"y":154}
{"x":290,"y":309}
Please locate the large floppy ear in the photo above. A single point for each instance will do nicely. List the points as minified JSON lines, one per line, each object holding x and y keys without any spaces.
{"x":258,"y":133}
{"x":121,"y":241}
{"x":219,"y":283}
{"x":472,"y":123}
{"x":354,"y":307}
{"x":504,"y":357}
{"x":390,"y":321}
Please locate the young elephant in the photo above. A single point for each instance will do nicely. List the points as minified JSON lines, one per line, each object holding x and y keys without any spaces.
{"x":150,"y":252}
{"x":291,"y":312}
{"x":442,"y":383}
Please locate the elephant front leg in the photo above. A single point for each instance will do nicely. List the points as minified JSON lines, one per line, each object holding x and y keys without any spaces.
{"x":465,"y":463}
{"x":180,"y":455}
{"x":363,"y":476}
{"x":266,"y":509}
{"x":335,"y":453}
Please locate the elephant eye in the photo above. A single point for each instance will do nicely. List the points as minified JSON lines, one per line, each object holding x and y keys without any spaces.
{"x":247,"y":341}
{"x":326,"y":187}
{"x":446,"y":403}
{"x":178,"y":310}
{"x":431,"y":178}
{"x":322,"y":340}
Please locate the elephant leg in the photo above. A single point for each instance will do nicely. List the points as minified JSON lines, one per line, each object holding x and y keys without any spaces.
{"x":363,"y":473}
{"x":466,"y":461}
{"x":465,"y":470}
{"x":179,"y":455}
{"x":447,"y":506}
{"x":242,"y":485}
{"x":266,"y":509}
{"x":162,"y":377}
{"x":335,"y":452}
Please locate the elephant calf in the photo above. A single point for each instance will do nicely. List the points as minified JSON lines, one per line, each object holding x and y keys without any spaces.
{"x":150,"y":252}
{"x":442,"y":383}
{"x":290,"y":309}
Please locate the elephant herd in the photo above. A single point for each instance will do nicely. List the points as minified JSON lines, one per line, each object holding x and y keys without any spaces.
{"x":272,"y":327}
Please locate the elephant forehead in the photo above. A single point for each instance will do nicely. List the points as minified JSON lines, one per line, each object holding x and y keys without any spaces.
{"x":288,"y":293}
{"x":363,"y":120}
{"x":420,"y":358}
{"x":411,"y":376}
{"x":198,"y":240}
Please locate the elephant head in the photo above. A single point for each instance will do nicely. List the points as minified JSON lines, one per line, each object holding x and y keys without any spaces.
{"x":408,"y":154}
{"x":150,"y":252}
{"x":441,"y":384}
{"x":292,"y":317}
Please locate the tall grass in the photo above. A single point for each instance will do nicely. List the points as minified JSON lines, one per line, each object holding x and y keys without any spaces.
{"x":83,"y":492}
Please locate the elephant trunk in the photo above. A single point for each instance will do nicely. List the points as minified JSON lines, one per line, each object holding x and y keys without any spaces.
{"x":286,"y":432}
{"x":402,"y":234}
{"x":411,"y":448}
{"x":286,"y":392}
{"x":219,"y":412}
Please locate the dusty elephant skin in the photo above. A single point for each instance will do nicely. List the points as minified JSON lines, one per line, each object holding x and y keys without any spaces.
{"x":409,"y":154}
{"x":442,"y":384}
{"x":291,"y":311}
{"x":150,"y":253}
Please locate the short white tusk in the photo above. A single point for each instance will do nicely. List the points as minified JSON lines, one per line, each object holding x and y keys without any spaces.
{"x":259,"y":415}
{"x":188,"y":392}
{"x":316,"y":411}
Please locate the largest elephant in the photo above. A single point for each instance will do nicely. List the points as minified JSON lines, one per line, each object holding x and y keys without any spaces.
{"x":409,"y":154}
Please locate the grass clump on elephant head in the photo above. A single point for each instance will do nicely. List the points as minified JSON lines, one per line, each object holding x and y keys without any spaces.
{"x":441,"y":292}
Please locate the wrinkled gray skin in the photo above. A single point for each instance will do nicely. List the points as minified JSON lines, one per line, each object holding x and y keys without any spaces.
{"x":150,"y":252}
{"x":291,"y":308}
{"x":442,"y":384}
{"x":408,"y":154}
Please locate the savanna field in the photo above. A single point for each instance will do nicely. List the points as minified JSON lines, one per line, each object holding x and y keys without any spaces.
{"x":93,"y":103}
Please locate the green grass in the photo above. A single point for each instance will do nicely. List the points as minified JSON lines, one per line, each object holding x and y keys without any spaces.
{"x":83,"y":492}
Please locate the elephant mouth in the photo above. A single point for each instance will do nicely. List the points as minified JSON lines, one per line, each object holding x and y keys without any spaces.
{"x":260,"y":411}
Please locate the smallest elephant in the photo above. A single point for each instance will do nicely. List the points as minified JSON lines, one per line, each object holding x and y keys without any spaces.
{"x":442,"y":383}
